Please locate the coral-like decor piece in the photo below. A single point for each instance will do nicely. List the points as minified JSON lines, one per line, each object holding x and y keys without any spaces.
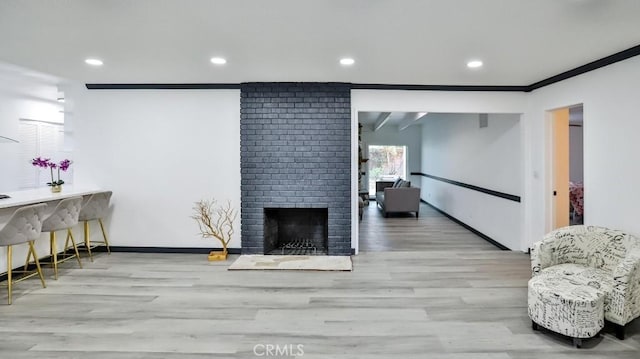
{"x":215,"y":222}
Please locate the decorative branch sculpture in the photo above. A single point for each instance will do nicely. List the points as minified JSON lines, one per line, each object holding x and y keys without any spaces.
{"x":215,"y":221}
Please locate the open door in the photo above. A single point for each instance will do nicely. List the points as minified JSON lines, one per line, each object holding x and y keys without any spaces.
{"x":561,"y":208}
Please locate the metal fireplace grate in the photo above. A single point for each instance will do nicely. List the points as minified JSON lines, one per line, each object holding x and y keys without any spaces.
{"x":298,"y":246}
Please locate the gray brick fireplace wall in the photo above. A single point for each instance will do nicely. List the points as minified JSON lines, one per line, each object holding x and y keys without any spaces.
{"x":296,"y":153}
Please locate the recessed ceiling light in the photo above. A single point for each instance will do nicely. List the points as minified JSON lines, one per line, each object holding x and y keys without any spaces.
{"x":347,"y":61}
{"x":93,"y":62}
{"x":218,"y":60}
{"x":474,"y":64}
{"x":61,"y":99}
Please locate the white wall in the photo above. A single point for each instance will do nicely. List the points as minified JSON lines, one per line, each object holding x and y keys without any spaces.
{"x":611,"y":126}
{"x":159,"y":151}
{"x":576,"y":154}
{"x":23,"y":95}
{"x":390,"y":136}
{"x":438,"y":101}
{"x":456,"y":148}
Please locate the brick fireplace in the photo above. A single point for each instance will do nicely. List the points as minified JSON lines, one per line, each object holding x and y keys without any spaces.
{"x":295,"y":154}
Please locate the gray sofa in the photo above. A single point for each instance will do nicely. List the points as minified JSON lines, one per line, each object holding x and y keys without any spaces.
{"x":397,"y":196}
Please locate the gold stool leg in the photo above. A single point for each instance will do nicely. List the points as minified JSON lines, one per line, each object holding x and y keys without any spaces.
{"x":32,"y":250}
{"x":66,"y":246}
{"x":87,"y":239}
{"x":75,"y":248}
{"x":26,"y":263}
{"x":54,"y":253}
{"x":104,"y":234}
{"x":9,"y":279}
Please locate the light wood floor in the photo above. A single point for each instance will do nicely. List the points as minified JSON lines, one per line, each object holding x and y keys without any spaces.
{"x":423,"y":288}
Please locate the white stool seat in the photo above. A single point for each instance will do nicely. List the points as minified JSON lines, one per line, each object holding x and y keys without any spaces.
{"x":64,"y":217}
{"x":95,"y":209}
{"x":24,"y":226}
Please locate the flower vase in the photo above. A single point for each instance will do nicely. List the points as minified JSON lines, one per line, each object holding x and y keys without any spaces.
{"x":56,"y":188}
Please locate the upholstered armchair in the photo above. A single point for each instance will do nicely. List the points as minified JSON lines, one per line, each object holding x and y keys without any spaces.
{"x":398,"y":196}
{"x":602,"y":258}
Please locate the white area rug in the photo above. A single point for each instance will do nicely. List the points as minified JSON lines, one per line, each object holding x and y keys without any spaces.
{"x":321,"y":263}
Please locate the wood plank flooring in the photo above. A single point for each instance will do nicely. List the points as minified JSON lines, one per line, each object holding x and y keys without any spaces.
{"x":422,"y":288}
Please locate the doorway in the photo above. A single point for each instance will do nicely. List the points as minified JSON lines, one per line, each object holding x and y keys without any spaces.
{"x":567,"y":159}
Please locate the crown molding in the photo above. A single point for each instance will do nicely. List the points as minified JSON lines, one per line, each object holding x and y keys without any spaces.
{"x":591,"y":66}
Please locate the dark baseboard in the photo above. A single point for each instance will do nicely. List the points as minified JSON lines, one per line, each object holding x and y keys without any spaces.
{"x":193,"y":250}
{"x":466,"y":226}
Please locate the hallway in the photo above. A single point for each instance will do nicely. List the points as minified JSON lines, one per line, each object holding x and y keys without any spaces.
{"x":402,"y":232}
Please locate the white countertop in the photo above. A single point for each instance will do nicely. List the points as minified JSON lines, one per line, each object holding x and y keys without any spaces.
{"x":44,"y":194}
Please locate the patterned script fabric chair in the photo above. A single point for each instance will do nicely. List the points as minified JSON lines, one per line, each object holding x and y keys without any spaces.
{"x":95,"y":209}
{"x":24,"y":226}
{"x":580,"y":264}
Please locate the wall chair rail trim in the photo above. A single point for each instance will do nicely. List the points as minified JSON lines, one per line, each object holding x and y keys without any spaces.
{"x":491,"y":192}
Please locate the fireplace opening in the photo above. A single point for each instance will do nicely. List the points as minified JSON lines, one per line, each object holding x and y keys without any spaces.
{"x":296,"y":231}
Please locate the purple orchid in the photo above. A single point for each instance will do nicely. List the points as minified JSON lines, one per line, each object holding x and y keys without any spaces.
{"x":47,"y":163}
{"x":64,"y":164}
{"x":40,"y":162}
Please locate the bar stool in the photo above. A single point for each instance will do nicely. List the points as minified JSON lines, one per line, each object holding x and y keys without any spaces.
{"x":95,"y":209}
{"x":24,"y":226}
{"x":64,"y":217}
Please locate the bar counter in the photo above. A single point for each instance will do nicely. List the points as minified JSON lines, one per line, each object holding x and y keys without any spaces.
{"x":43,"y":195}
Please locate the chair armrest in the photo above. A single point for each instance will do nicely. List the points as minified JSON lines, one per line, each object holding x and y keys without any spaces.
{"x":625,"y":296}
{"x":541,"y":256}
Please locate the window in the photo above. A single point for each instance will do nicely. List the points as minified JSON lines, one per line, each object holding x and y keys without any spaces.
{"x":386,"y":163}
{"x":39,"y":138}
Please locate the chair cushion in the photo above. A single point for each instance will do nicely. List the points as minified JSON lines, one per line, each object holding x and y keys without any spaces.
{"x":64,"y":216}
{"x":569,"y":299}
{"x":95,"y":207}
{"x":582,"y":275}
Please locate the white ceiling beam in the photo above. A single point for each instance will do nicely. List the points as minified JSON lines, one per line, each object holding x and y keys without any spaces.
{"x":411,"y":120}
{"x":382,"y":119}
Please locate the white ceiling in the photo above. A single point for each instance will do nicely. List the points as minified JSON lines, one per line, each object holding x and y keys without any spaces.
{"x":399,"y":42}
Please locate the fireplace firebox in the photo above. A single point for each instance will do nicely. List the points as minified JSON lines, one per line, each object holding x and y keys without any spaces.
{"x":296,"y":231}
